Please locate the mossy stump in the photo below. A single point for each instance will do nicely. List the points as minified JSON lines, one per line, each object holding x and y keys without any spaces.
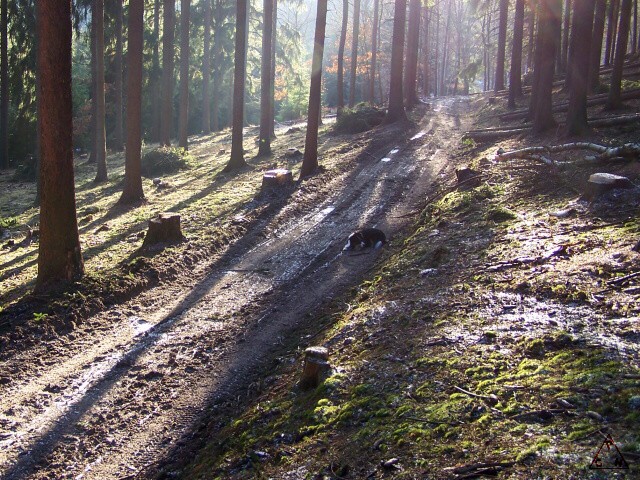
{"x":316,"y":366}
{"x":164,"y":229}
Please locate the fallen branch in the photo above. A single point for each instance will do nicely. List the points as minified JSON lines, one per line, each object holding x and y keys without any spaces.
{"x":628,"y":150}
{"x":490,"y":398}
{"x":618,"y":281}
{"x":540,"y":413}
{"x":476,"y":466}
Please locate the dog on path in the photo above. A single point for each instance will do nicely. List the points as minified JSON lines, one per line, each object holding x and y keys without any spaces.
{"x":366,"y":238}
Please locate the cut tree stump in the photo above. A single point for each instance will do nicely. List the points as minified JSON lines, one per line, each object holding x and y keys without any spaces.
{"x":164,"y":229}
{"x":600,"y":183}
{"x":468,"y":178}
{"x":277,"y":178}
{"x":316,"y":366}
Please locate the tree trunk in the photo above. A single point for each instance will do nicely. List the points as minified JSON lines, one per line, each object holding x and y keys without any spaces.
{"x":310,"y":160}
{"x":183,"y":137}
{"x":59,"y":256}
{"x":413,"y":37}
{"x":343,"y":39}
{"x":425,"y":54}
{"x":532,"y":28}
{"x":634,"y":32}
{"x":94,"y":81}
{"x":218,"y":74}
{"x":396,"y":98}
{"x":239,"y":75}
{"x":166,"y":109}
{"x":612,"y":19}
{"x":549,"y":24}
{"x":118,"y":136}
{"x":565,"y":36}
{"x":4,"y":86}
{"x":206,"y":70}
{"x":265,"y":81}
{"x":101,"y":134}
{"x":445,"y":51}
{"x":36,"y":202}
{"x":515,"y":74}
{"x":597,"y":38}
{"x":436,"y":90}
{"x":615,"y":101}
{"x":155,"y":75}
{"x":581,"y":29}
{"x":374,"y":51}
{"x":132,"y":177}
{"x":502,"y":45}
{"x":272,"y":96}
{"x":354,"y":52}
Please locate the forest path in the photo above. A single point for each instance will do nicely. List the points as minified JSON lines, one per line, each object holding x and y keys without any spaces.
{"x":113,"y":402}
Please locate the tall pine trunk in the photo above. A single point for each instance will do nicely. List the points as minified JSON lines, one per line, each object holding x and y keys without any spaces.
{"x":265,"y":81}
{"x":155,"y":74}
{"x":310,"y":160}
{"x":411,"y":69}
{"x":59,"y":255}
{"x":502,"y":45}
{"x":4,"y":86}
{"x":239,"y":75}
{"x":118,"y":134}
{"x":396,"y":110}
{"x":425,"y":53}
{"x":206,"y":70}
{"x":101,"y":134}
{"x":132,"y":191}
{"x":341,"y":45}
{"x":532,"y":28}
{"x":612,"y":22}
{"x":445,"y":51}
{"x":597,"y":38}
{"x":564,"y":56}
{"x":614,"y":101}
{"x":166,"y":109}
{"x":354,"y":52}
{"x":581,"y":31}
{"x":515,"y":74}
{"x":272,"y":102}
{"x":183,"y":135}
{"x":374,"y":51}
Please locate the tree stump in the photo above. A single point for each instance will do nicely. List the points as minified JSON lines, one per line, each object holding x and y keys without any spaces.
{"x":468,"y":178}
{"x":164,"y":229}
{"x":316,"y":366}
{"x":277,"y":178}
{"x":600,"y":183}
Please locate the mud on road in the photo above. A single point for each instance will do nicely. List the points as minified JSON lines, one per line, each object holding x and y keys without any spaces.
{"x":112,"y":400}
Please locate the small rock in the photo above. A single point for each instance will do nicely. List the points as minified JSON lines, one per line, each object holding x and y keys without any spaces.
{"x":595,"y":416}
{"x":390,"y":464}
{"x":566,"y":213}
{"x":564,"y":403}
{"x":428,"y":272}
{"x":157,"y":181}
{"x":634,"y":402}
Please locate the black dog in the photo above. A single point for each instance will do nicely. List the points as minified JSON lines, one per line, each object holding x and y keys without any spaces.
{"x":366,"y":238}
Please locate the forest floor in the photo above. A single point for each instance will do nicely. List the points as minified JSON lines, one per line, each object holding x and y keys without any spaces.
{"x":497,"y":332}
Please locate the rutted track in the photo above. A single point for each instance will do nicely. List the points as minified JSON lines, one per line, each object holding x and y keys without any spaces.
{"x":111,"y":405}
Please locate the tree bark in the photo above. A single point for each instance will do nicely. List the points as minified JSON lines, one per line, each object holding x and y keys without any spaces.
{"x":597,"y":38}
{"x":615,"y":101}
{"x":118,"y":136}
{"x":59,"y":255}
{"x":581,"y":30}
{"x":310,"y":159}
{"x":502,"y":43}
{"x":532,"y":28}
{"x":396,"y":110}
{"x":411,"y":71}
{"x":183,"y":137}
{"x":341,"y":46}
{"x":206,"y":70}
{"x":4,"y":86}
{"x":515,"y":74}
{"x":265,"y":81}
{"x":354,"y":52}
{"x":155,"y":75}
{"x":565,"y":36}
{"x":425,"y":53}
{"x":239,"y":75}
{"x":374,"y":51}
{"x":101,"y":134}
{"x":612,"y":22}
{"x":272,"y":96}
{"x":445,"y":51}
{"x":132,"y":177}
{"x":166,"y":109}
{"x":94,"y":81}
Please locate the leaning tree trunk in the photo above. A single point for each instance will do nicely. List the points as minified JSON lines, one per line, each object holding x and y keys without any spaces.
{"x":265,"y":81}
{"x":166,"y":110}
{"x":515,"y":74}
{"x":597,"y":38}
{"x":4,"y":86}
{"x":614,"y":101}
{"x":411,"y":69}
{"x":502,"y":45}
{"x":354,"y":52}
{"x":396,"y":110}
{"x":59,"y":256}
{"x":118,"y":135}
{"x":206,"y":70}
{"x":239,"y":75}
{"x":183,"y":136}
{"x":132,"y":177}
{"x":549,"y":24}
{"x":581,"y":27}
{"x":310,"y":160}
{"x":101,"y":134}
{"x":374,"y":51}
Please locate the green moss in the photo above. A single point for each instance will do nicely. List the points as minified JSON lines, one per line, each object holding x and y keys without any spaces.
{"x":500,"y":214}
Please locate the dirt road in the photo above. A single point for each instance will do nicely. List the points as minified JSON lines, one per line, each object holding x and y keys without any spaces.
{"x":111,"y":401}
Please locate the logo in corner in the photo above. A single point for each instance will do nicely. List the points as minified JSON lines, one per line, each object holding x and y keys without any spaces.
{"x":608,"y":457}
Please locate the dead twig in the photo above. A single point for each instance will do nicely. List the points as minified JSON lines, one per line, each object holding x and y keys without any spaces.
{"x":476,"y":466}
{"x":490,"y":398}
{"x":618,"y":281}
